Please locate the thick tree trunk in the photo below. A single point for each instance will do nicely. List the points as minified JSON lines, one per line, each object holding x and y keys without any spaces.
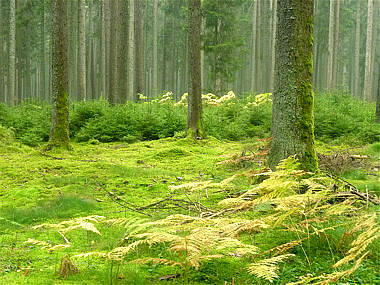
{"x":59,"y":134}
{"x":292,"y":115}
{"x":155,"y":41}
{"x":123,"y":45}
{"x":357,"y":90}
{"x":81,"y":50}
{"x":194,"y":119}
{"x":12,"y":54}
{"x":368,"y":54}
{"x":107,"y":20}
{"x":139,"y":48}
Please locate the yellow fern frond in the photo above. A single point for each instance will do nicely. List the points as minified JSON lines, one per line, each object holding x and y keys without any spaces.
{"x":44,"y":244}
{"x":90,"y":254}
{"x":157,"y":261}
{"x":267,"y":268}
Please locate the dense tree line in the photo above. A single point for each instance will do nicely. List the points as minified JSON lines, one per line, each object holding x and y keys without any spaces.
{"x":117,"y":49}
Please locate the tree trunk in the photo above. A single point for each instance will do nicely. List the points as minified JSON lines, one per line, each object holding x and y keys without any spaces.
{"x":139,"y":48}
{"x":357,"y":90}
{"x":335,"y":68}
{"x":273,"y":57}
{"x":107,"y":19}
{"x":253,"y":43}
{"x":194,"y":119}
{"x":378,"y":97}
{"x":155,"y":40}
{"x":131,"y":51}
{"x":368,"y":54}
{"x":2,"y":94}
{"x":12,"y":54}
{"x":331,"y":46}
{"x":59,"y":134}
{"x":42,"y":54}
{"x":113,"y":93}
{"x":292,"y":114}
{"x":103,"y":52}
{"x":81,"y":50}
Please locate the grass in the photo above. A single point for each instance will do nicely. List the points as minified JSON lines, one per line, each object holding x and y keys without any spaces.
{"x":36,"y":188}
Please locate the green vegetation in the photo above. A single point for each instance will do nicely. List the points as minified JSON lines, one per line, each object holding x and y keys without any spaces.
{"x":339,"y":118}
{"x":101,"y":197}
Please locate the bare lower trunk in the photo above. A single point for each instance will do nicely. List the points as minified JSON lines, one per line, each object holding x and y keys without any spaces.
{"x":12,"y":54}
{"x":139,"y":48}
{"x":194,"y":119}
{"x":357,"y":90}
{"x":81,"y":50}
{"x":59,"y":134}
{"x":368,"y":54}
{"x":293,"y":102}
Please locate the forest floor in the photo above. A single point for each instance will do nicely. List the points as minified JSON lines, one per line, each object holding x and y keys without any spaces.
{"x":117,"y":180}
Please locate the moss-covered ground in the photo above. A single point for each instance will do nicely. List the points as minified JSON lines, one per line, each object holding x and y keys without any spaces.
{"x":38,"y":187}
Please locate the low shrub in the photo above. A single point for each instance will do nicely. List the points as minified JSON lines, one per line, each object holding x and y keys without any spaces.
{"x":338,"y":118}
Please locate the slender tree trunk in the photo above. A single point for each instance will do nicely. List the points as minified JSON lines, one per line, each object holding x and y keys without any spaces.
{"x":12,"y":54}
{"x":139,"y":48}
{"x":194,"y":119}
{"x":259,"y":85}
{"x":59,"y":134}
{"x":292,"y":114}
{"x":2,"y":94}
{"x":378,"y":96}
{"x":336,"y":46}
{"x":331,"y":46}
{"x":164,"y":50}
{"x":107,"y":9}
{"x":42,"y":54}
{"x":357,"y":90}
{"x":113,"y":93}
{"x":273,"y":56}
{"x":81,"y":50}
{"x":253,"y":43}
{"x":103,"y":51}
{"x":131,"y":51}
{"x":368,"y":54}
{"x":155,"y":40}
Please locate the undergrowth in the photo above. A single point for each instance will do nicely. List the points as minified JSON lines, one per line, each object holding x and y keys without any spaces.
{"x":338,"y":118}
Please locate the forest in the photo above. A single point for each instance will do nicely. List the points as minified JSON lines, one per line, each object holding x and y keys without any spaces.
{"x":189,"y":142}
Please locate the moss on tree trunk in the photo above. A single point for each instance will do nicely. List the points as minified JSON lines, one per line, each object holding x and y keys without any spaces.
{"x":59,"y":133}
{"x":194,"y":116}
{"x":293,"y":100}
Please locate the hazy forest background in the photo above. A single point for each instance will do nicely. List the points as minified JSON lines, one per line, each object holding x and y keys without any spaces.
{"x":189,"y":142}
{"x":117,"y":51}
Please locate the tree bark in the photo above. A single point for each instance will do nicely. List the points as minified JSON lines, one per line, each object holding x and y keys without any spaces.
{"x":357,"y":90}
{"x":378,"y":97}
{"x":273,"y":57}
{"x":2,"y":94}
{"x":131,"y":51}
{"x":59,"y":134}
{"x":139,"y":48}
{"x":81,"y":50}
{"x":113,"y":93}
{"x":155,"y":40}
{"x":293,"y":102}
{"x":103,"y":52}
{"x":331,"y":46}
{"x":368,"y":54}
{"x":194,"y":119}
{"x":12,"y":54}
{"x":253,"y":43}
